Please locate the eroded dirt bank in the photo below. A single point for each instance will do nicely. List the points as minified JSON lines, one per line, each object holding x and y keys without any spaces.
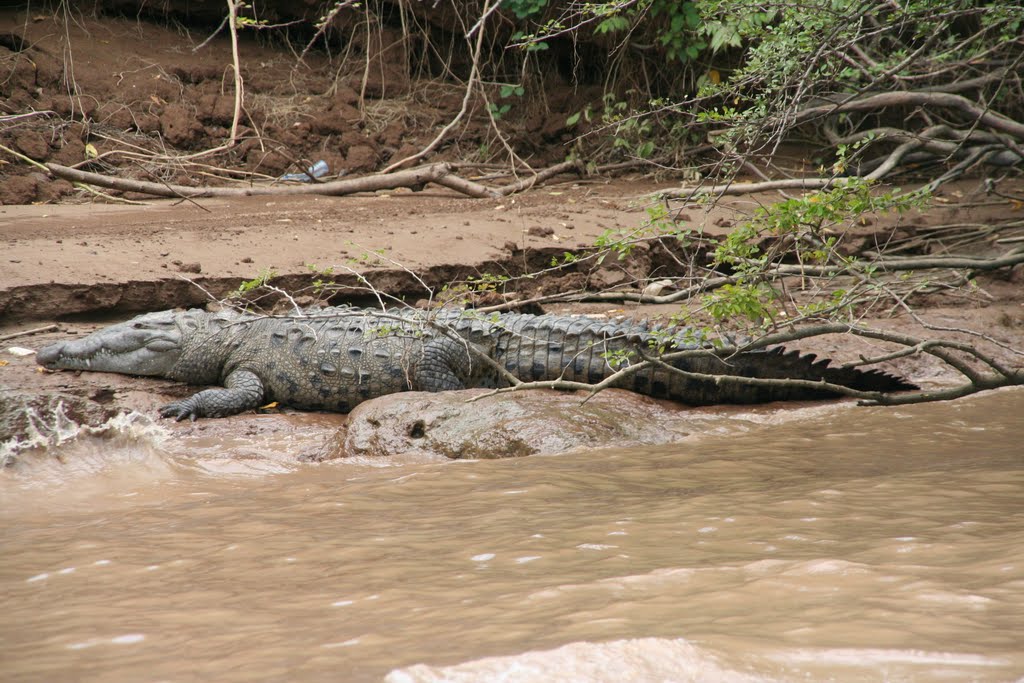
{"x":70,"y":259}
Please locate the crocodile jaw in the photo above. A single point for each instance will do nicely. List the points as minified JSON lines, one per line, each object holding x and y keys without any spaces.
{"x":147,"y":345}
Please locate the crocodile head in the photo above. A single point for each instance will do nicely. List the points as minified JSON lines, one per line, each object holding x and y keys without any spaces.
{"x":147,"y":345}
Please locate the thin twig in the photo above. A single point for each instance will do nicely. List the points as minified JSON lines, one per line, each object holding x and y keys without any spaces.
{"x":236,"y":66}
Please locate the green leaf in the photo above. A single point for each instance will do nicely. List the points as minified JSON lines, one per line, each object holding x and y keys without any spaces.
{"x":612,"y":24}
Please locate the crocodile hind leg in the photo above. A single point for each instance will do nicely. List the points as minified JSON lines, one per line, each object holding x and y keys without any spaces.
{"x":243,"y":391}
{"x":445,"y":364}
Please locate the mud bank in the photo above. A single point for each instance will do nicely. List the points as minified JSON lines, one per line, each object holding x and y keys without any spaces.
{"x":75,"y":259}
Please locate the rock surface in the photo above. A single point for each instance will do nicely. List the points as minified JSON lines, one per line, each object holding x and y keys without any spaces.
{"x":447,"y":425}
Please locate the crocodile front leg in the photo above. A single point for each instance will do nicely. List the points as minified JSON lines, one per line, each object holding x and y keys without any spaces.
{"x":243,"y":391}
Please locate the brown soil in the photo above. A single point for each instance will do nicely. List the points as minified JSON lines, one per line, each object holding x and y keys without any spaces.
{"x":146,"y":88}
{"x":82,"y":264}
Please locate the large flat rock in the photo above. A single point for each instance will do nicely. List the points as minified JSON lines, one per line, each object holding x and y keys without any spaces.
{"x":471,"y":424}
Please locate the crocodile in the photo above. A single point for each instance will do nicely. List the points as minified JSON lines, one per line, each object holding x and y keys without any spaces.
{"x":336,"y":358}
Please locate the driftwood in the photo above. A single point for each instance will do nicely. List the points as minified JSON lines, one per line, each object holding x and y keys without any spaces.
{"x":994,"y":154}
{"x":869,"y":102}
{"x":25,"y":333}
{"x":999,"y":145}
{"x":440,"y":174}
{"x":474,"y":189}
{"x":688,"y":193}
{"x":412,"y":178}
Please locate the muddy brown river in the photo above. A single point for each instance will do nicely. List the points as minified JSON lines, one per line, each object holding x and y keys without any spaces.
{"x":809,"y":543}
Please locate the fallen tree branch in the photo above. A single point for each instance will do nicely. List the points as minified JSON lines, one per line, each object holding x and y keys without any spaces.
{"x":940,"y":138}
{"x":641,"y":298}
{"x":689,"y":193}
{"x":25,"y":333}
{"x":903,"y":99}
{"x":411,"y":178}
{"x":909,"y":263}
{"x":976,"y":155}
{"x":474,"y":189}
{"x":467,"y":187}
{"x":995,"y":152}
{"x":79,"y":185}
{"x":541,"y":176}
{"x":440,"y":173}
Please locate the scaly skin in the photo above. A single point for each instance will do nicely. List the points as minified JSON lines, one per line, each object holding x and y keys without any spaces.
{"x":337,"y":358}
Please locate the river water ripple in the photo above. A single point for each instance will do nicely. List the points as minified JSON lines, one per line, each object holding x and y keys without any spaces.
{"x":810,"y":543}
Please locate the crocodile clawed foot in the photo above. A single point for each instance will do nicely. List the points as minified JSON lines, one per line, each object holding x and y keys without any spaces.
{"x":179,"y":410}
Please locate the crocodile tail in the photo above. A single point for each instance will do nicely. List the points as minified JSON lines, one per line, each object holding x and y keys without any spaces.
{"x":549,"y":347}
{"x":863,"y":380}
{"x":776,"y":363}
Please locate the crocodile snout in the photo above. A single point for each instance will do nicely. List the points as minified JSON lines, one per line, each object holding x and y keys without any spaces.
{"x":49,"y":355}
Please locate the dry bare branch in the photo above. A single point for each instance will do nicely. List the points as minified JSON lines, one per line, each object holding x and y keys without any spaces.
{"x":867,"y":102}
{"x":410,"y":178}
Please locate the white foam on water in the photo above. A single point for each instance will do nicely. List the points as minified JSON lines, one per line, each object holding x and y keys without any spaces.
{"x":822,"y":566}
{"x":394,"y":460}
{"x":873,"y":657}
{"x":642,"y":659}
{"x":126,"y":639}
{"x":345,"y":643}
{"x":60,"y":429}
{"x":57,"y":450}
{"x":83,"y":644}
